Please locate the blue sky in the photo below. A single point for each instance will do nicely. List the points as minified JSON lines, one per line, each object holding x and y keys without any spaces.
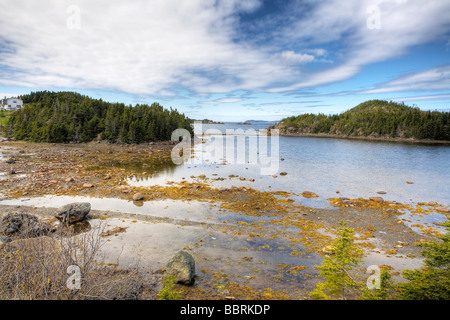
{"x":231,"y":60}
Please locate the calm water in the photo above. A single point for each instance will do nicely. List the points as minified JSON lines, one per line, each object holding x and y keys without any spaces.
{"x":324,"y":166}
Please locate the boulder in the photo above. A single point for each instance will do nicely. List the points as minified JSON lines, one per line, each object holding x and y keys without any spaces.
{"x":182,"y":267}
{"x":442,"y":209}
{"x":23,"y":225}
{"x":74,"y":212}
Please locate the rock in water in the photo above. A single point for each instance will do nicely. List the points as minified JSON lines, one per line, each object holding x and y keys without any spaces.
{"x":376,"y":199}
{"x":73,"y":212}
{"x":182,"y":266}
{"x":138,"y":196}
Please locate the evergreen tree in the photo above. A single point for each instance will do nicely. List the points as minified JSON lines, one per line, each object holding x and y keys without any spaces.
{"x":67,"y":116}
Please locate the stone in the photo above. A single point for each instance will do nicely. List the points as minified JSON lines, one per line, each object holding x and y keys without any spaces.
{"x":376,"y":199}
{"x":5,"y":239}
{"x":409,"y":182}
{"x":381,"y":192}
{"x":138,"y":197}
{"x":10,"y":161}
{"x":88,"y":185}
{"x":442,"y":209}
{"x":283,"y":173}
{"x":74,"y":212}
{"x":23,"y":225}
{"x":69,"y":180}
{"x":432,"y":203}
{"x":107,"y":177}
{"x":309,"y":194}
{"x":182,"y":267}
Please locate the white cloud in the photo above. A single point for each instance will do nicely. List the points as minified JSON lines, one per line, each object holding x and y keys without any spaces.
{"x":292,"y":57}
{"x":223,"y":100}
{"x":131,"y":46}
{"x":420,"y":98}
{"x":156,"y":47}
{"x":403,"y":24}
{"x":428,"y":80}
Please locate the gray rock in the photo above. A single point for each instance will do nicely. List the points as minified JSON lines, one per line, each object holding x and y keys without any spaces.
{"x":74,"y":212}
{"x":182,"y":266}
{"x":5,"y":239}
{"x":23,"y":225}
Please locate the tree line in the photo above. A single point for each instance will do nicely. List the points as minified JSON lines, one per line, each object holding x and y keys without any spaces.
{"x":60,"y":117}
{"x":376,"y":118}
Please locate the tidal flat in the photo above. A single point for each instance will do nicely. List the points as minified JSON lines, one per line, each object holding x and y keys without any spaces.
{"x":247,"y":243}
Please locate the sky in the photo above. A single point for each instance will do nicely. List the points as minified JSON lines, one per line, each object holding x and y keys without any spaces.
{"x":231,"y":60}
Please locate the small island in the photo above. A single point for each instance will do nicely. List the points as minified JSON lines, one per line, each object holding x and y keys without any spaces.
{"x":208,"y":121}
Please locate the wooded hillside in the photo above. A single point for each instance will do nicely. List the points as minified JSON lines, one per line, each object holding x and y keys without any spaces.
{"x":376,"y":118}
{"x":72,"y":117}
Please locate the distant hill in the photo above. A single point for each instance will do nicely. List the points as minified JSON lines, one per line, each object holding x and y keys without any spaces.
{"x":260,"y":121}
{"x":72,"y":117}
{"x":375,"y":119}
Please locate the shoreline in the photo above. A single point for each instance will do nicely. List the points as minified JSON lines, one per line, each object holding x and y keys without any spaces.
{"x":362,"y":138}
{"x":259,"y":239}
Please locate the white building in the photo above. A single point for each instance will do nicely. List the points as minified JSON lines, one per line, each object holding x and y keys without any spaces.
{"x":11,"y":104}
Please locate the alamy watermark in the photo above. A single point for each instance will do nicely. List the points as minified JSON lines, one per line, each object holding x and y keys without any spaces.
{"x":73,"y":21}
{"x":248,"y":147}
{"x":374,"y":20}
{"x":74,"y":281}
{"x":374,"y":280}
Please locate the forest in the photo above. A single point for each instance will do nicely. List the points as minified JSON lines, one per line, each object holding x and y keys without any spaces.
{"x":61,"y":117}
{"x":376,"y":118}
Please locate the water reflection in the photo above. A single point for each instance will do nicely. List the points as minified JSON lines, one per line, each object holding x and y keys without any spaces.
{"x":350,"y":168}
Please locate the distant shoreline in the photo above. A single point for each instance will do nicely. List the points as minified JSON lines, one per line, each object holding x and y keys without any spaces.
{"x":382,"y":139}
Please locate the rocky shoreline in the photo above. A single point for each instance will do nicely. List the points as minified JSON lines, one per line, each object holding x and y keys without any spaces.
{"x":239,"y":237}
{"x":293,"y":133}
